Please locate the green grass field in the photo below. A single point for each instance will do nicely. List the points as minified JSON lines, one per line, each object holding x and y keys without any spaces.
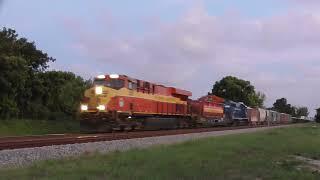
{"x":36,"y":127}
{"x":262,"y":155}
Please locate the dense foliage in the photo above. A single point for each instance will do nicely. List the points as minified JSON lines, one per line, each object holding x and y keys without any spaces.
{"x":238,"y":90}
{"x":281,"y":105}
{"x":27,"y":90}
{"x":302,"y":111}
{"x":317,"y":117}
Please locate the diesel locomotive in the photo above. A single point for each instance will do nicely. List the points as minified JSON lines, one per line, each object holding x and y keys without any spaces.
{"x":119,"y":102}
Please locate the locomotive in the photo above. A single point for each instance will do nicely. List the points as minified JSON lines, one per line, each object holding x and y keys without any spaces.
{"x":119,"y":102}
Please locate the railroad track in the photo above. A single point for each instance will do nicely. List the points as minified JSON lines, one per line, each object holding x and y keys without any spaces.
{"x":48,"y":140}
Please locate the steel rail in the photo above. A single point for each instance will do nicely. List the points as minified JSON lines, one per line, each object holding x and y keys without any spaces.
{"x":61,"y":139}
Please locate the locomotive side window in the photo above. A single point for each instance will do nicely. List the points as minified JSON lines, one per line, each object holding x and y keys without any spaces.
{"x":132,"y":85}
{"x":138,"y":85}
{"x":112,"y":83}
{"x":98,"y":82}
{"x":146,"y":85}
{"x":115,"y":83}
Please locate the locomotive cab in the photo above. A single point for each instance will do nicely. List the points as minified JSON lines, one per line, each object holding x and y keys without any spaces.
{"x":98,"y":96}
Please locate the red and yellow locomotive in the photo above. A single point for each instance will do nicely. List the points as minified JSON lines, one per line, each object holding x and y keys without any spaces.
{"x":120,"y":102}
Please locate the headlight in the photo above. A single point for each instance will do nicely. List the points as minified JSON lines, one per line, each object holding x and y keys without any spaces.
{"x":84,"y":108}
{"x":101,"y":107}
{"x":114,"y":76}
{"x":99,"y":90}
{"x":101,"y":77}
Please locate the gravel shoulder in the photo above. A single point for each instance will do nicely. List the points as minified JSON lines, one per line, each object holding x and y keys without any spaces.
{"x":26,"y":156}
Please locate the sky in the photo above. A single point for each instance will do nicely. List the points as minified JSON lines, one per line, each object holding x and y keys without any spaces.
{"x":188,"y":44}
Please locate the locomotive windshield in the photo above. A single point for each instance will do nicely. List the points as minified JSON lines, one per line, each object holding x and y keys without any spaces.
{"x":112,"y":83}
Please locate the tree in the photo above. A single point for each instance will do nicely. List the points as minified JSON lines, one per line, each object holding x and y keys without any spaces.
{"x":12,"y":81}
{"x":282,"y":106}
{"x":238,"y":90}
{"x":64,"y":90}
{"x":317,"y":117}
{"x":302,"y":111}
{"x":20,"y":62}
{"x":27,"y":90}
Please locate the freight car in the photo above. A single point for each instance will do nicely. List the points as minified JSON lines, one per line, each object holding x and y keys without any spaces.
{"x":272,"y":117}
{"x":257,"y":116}
{"x":302,"y":119}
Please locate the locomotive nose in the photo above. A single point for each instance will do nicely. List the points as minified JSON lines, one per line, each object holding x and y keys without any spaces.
{"x":96,"y":99}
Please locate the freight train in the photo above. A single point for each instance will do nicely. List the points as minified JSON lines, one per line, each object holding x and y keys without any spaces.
{"x":119,"y":102}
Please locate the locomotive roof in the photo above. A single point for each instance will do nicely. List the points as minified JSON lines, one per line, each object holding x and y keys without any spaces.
{"x":173,"y":89}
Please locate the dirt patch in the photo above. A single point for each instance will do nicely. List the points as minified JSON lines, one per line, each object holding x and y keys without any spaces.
{"x":313,"y":165}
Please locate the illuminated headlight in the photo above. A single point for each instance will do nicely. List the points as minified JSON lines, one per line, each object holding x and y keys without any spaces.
{"x":84,"y":108}
{"x":99,"y":90}
{"x":101,"y":107}
{"x":114,"y":76}
{"x":101,"y":77}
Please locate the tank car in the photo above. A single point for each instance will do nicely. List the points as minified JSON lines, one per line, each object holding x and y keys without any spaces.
{"x":118,"y":102}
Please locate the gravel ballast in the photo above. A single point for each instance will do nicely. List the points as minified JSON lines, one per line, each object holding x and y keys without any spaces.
{"x":26,"y":156}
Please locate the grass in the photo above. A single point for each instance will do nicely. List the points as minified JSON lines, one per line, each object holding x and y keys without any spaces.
{"x":262,"y":155}
{"x":36,"y":127}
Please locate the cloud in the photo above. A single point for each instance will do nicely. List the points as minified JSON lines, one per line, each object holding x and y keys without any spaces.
{"x":279,"y":54}
{"x":306,"y":2}
{"x":1,"y":4}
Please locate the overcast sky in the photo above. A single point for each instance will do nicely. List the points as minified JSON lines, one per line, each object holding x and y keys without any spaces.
{"x":183,"y":43}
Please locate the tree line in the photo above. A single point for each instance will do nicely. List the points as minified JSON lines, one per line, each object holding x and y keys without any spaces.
{"x":27,"y":89}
